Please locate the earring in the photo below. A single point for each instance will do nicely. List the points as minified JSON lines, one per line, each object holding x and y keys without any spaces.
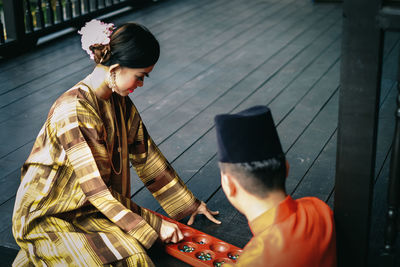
{"x":111,"y":81}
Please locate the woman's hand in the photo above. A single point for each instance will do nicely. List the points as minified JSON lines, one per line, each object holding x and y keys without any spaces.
{"x":202,"y":209}
{"x":169,"y":232}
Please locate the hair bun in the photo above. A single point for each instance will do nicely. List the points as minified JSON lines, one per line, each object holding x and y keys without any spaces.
{"x":101,"y":53}
{"x":96,"y":38}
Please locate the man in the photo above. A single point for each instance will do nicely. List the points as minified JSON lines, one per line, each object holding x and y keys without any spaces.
{"x":287,"y":232}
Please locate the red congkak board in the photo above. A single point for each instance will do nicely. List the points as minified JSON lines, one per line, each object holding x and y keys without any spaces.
{"x":201,"y":249}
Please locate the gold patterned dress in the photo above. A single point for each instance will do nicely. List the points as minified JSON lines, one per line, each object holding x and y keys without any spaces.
{"x":73,"y":206}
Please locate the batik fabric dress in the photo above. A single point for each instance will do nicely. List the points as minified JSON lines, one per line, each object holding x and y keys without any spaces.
{"x":73,"y":206}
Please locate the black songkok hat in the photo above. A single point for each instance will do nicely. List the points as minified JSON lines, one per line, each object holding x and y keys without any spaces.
{"x":247,"y":136}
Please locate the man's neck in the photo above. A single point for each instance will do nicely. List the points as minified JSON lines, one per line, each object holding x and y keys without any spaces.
{"x":259,"y":206}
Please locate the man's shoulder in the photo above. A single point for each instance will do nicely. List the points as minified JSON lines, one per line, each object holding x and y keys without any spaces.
{"x":315,"y":208}
{"x":311,"y":201}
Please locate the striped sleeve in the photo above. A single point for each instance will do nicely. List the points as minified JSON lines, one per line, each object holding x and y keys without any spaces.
{"x":77,"y":124}
{"x":158,"y":175}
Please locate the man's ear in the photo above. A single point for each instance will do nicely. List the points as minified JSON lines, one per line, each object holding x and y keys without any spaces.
{"x":228,"y":185}
{"x":287,"y":168}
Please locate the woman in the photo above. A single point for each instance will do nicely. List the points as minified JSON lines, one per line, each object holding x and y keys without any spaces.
{"x":73,"y":206}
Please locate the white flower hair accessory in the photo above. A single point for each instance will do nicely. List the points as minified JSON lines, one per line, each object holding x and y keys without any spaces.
{"x":95,"y":32}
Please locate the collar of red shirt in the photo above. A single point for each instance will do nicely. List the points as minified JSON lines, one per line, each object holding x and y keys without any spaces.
{"x":274,"y":215}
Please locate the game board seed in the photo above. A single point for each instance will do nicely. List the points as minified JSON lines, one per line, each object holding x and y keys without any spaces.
{"x":204,"y":256}
{"x":186,"y":249}
{"x":233,"y":257}
{"x":219,"y":264}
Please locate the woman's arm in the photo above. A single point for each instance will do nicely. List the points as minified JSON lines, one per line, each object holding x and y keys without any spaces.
{"x":159,"y":177}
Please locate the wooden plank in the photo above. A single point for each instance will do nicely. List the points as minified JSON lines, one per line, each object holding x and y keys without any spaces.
{"x":222,"y":46}
{"x":14,"y":78}
{"x":181,"y":55}
{"x":196,"y":127}
{"x":24,"y":120}
{"x":381,"y":188}
{"x":204,"y":16}
{"x":41,"y":85}
{"x":213,"y":84}
{"x":390,"y":41}
{"x":7,"y":256}
{"x":167,"y":14}
{"x":162,"y":12}
{"x":6,"y":214}
{"x":385,"y":128}
{"x":40,"y":51}
{"x":31,"y":122}
{"x":306,"y":149}
{"x":393,"y":196}
{"x":291,"y":57}
{"x":292,"y":80}
{"x":7,"y":240}
{"x":77,"y":60}
{"x":10,"y":186}
{"x":13,"y":161}
{"x":170,"y":27}
{"x":39,"y":110}
{"x":177,"y":55}
{"x":183,"y":163}
{"x":319,"y":179}
{"x":301,"y":112}
{"x":378,"y":214}
{"x":35,"y":89}
{"x":76,"y":46}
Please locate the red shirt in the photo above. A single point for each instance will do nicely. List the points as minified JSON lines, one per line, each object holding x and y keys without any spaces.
{"x":295,"y":233}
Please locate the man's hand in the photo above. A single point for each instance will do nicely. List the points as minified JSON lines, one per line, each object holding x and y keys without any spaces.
{"x":169,"y":232}
{"x":202,"y":209}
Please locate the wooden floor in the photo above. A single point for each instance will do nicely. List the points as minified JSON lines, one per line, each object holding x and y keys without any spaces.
{"x":217,"y":57}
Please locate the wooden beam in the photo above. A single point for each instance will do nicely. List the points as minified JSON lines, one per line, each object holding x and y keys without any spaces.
{"x":357,"y":129}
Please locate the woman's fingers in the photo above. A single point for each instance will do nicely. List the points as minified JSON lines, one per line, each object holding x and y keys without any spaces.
{"x":174,"y":238}
{"x":214,"y":212}
{"x":202,"y":209}
{"x":210,"y":216}
{"x":170,"y":232}
{"x":180,"y":235}
{"x":191,"y":219}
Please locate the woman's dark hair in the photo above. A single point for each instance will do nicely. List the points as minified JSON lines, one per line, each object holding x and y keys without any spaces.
{"x":131,"y":45}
